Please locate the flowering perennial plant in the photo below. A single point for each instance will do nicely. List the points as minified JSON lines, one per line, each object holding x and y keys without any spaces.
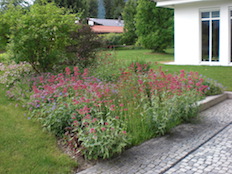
{"x":102,"y":118}
{"x":14,"y":72}
{"x":80,"y":106}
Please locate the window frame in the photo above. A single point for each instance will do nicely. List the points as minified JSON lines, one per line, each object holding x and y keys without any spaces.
{"x":230,"y":28}
{"x":210,"y":19}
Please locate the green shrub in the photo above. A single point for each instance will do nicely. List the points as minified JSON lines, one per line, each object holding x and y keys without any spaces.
{"x":214,"y":88}
{"x":169,"y":112}
{"x":82,"y":51}
{"x":4,"y":58}
{"x":102,"y":138}
{"x":54,"y":117}
{"x":14,"y":72}
{"x":41,"y":35}
{"x":112,"y":39}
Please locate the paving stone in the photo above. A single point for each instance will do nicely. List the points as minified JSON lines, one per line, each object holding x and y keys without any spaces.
{"x":223,"y":162}
{"x":159,"y":154}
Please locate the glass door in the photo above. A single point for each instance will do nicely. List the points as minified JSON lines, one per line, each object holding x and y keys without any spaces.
{"x":210,"y":22}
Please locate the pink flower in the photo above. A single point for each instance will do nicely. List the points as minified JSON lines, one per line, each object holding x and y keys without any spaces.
{"x":67,"y":70}
{"x":117,"y":117}
{"x":198,"y":84}
{"x":75,"y":123}
{"x":76,"y":71}
{"x":112,"y":107}
{"x":94,"y":120}
{"x":92,"y":130}
{"x":124,"y":132}
{"x":103,"y":128}
{"x":106,"y":123}
{"x":140,"y":81}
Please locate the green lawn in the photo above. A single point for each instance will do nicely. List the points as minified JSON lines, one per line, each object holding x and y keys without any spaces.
{"x":24,"y":147}
{"x":219,"y":73}
{"x":143,"y":55}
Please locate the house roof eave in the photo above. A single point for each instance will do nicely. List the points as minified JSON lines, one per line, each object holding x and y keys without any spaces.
{"x":172,"y":3}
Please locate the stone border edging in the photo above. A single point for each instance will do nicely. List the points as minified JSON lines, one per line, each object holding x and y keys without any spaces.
{"x":213,"y":100}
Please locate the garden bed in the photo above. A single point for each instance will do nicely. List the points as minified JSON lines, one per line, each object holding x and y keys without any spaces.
{"x":95,"y":118}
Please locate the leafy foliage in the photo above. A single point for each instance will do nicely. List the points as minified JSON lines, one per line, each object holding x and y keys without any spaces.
{"x":114,"y":8}
{"x":102,"y":136}
{"x":154,"y":26}
{"x":87,"y":8}
{"x":129,"y":36}
{"x":13,"y":73}
{"x":41,"y":35}
{"x":112,"y":39}
{"x":8,"y":20}
{"x":92,"y":8}
{"x":214,"y":88}
{"x":83,"y":48}
{"x":6,"y":4}
{"x":107,"y":67}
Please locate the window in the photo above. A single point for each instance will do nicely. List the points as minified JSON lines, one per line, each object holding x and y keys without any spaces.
{"x":231,"y":35}
{"x":210,"y":36}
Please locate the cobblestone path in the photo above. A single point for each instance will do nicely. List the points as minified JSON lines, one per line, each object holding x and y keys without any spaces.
{"x":201,"y":147}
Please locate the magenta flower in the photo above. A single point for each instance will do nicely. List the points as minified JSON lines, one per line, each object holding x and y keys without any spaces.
{"x":103,"y":128}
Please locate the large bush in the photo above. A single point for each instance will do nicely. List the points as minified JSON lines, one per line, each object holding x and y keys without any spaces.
{"x":41,"y":35}
{"x":112,"y":39}
{"x":83,"y":48}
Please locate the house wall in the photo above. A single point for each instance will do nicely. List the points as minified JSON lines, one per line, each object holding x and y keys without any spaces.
{"x":188,"y":32}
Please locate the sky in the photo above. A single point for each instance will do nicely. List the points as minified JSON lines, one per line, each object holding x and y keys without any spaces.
{"x":29,"y":1}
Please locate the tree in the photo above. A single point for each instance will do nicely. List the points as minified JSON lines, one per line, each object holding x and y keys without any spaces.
{"x":118,"y":7}
{"x":8,"y":20}
{"x":88,"y":8}
{"x":154,"y":26}
{"x":114,"y":8}
{"x":41,"y":36}
{"x":75,"y":6}
{"x":129,"y":36}
{"x":92,"y":7}
{"x":81,"y":54}
{"x":109,"y":8}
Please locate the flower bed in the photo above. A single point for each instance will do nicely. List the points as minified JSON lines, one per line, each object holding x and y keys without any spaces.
{"x":102,"y":119}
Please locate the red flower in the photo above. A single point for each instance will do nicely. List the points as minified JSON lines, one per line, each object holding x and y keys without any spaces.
{"x":92,"y":130}
{"x":124,"y":132}
{"x":103,"y":128}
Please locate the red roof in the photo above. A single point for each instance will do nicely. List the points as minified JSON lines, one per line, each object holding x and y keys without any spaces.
{"x":106,"y":29}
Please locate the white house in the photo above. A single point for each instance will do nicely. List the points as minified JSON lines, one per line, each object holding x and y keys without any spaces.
{"x":203,"y":31}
